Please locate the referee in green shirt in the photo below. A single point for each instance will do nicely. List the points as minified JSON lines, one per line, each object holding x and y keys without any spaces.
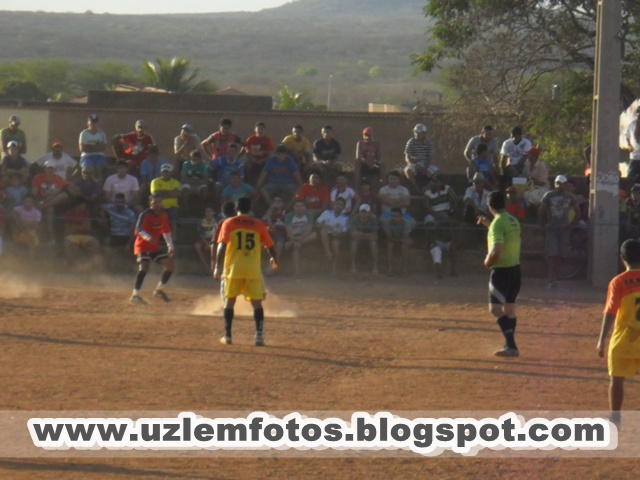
{"x":504,"y":261}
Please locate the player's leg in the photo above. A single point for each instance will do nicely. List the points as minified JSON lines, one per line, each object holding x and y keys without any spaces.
{"x":143,"y":267}
{"x":255,"y":293}
{"x":616,"y":396}
{"x":324,"y":238}
{"x":228,"y":313}
{"x":167,"y":270}
{"x":503,"y":309}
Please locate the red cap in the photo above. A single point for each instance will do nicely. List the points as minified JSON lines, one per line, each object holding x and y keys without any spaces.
{"x":367,"y":131}
{"x":534,"y":151}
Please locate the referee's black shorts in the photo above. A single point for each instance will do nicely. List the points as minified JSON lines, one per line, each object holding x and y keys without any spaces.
{"x":504,"y":284}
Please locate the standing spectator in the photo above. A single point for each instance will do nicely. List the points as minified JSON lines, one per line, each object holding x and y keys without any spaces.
{"x":45,"y":187}
{"x":152,"y":225}
{"x":275,"y":220}
{"x":363,"y":228}
{"x":419,"y":153}
{"x":537,"y":174}
{"x":220,"y":169}
{"x":122,"y":182}
{"x":184,"y":144}
{"x":78,"y":236}
{"x":92,"y":143}
{"x":239,"y":249}
{"x":299,"y":148}
{"x":63,"y":164}
{"x":333,"y":225}
{"x":396,"y":232}
{"x":394,"y":195}
{"x":368,"y":159}
{"x":133,"y":146}
{"x":440,"y":201}
{"x":13,"y":133}
{"x":168,"y":189}
{"x":513,"y":154}
{"x":326,"y":155}
{"x":122,"y":221}
{"x":503,"y":259}
{"x":14,"y":163}
{"x":440,"y":205}
{"x":620,"y":312}
{"x":195,"y":180}
{"x":206,"y":230}
{"x":482,"y":163}
{"x":216,"y":144}
{"x":150,"y":169}
{"x":280,"y":176}
{"x":299,"y":228}
{"x":26,"y":222}
{"x":555,"y":217}
{"x":237,"y":189}
{"x":471,"y":150}
{"x":315,"y":195}
{"x":259,"y":148}
{"x":344,"y":191}
{"x":632,"y":137}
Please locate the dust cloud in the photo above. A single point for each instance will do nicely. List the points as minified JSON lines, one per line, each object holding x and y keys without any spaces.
{"x":12,"y":286}
{"x":273,"y":307}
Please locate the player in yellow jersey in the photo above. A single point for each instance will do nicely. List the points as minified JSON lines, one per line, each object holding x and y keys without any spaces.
{"x":622,"y":311}
{"x":239,"y":250}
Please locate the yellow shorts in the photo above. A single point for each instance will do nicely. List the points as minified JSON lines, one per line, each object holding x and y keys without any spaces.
{"x":251,"y":289}
{"x":623,"y":367}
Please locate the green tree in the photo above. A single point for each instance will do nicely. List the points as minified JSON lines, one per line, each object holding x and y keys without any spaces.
{"x":174,"y":76}
{"x":287,"y":99}
{"x":51,"y":77}
{"x":14,"y":90}
{"x":103,"y":74}
{"x":307,"y":71}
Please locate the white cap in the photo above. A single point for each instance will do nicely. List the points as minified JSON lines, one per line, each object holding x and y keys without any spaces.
{"x":365,"y":207}
{"x":420,"y":128}
{"x":166,"y":167}
{"x":561,"y":179}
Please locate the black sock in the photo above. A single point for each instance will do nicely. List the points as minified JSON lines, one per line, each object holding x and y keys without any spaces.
{"x":258,"y":316}
{"x":507,"y":325}
{"x":166,"y":275}
{"x":139,"y":279}
{"x":228,"y":320}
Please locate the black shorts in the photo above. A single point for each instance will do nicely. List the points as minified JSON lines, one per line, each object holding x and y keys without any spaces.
{"x":504,"y":285}
{"x":152,"y":256}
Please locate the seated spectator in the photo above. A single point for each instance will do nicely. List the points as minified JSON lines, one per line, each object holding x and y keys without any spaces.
{"x":299,"y":227}
{"x":441,"y":239}
{"x":121,"y":223}
{"x":537,"y":173}
{"x":514,"y":205}
{"x":184,"y":144}
{"x":363,"y":228}
{"x":280,"y":176}
{"x":149,"y":170}
{"x":13,"y":163}
{"x":344,"y":191}
{"x":513,"y":153}
{"x":133,"y":147}
{"x":169,"y":189}
{"x":122,"y":182}
{"x":396,"y":232}
{"x":26,"y":220}
{"x":82,"y":189}
{"x":258,"y":149}
{"x":195,"y":180}
{"x":78,"y":235}
{"x":13,"y":133}
{"x":475,"y":200}
{"x":326,"y":156}
{"x":315,"y":195}
{"x":299,"y":147}
{"x":274,"y":218}
{"x":221,"y":168}
{"x":237,"y":189}
{"x":369,"y":166}
{"x":440,"y":201}
{"x":45,"y":187}
{"x":206,"y":230}
{"x":92,"y":143}
{"x":216,"y":144}
{"x":333,"y":225}
{"x":394,"y":195}
{"x":63,"y":164}
{"x":14,"y":194}
{"x":483,"y":163}
{"x":418,"y":156}
{"x":366,"y":195}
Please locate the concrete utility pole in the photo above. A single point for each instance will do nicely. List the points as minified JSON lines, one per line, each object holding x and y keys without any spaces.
{"x":605,"y":177}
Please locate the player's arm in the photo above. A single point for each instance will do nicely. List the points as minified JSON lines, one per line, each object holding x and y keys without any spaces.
{"x":607,"y":322}
{"x":273,"y":261}
{"x":494,"y":255}
{"x":170,"y":247}
{"x":217,"y":271}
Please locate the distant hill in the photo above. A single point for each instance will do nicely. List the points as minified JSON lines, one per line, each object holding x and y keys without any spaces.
{"x":364,"y":44}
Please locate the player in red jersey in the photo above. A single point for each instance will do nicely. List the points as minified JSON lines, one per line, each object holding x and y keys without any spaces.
{"x":152,"y":225}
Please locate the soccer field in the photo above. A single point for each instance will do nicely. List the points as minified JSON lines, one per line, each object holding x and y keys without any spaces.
{"x":401,"y":344}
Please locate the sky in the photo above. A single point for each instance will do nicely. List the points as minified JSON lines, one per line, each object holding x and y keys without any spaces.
{"x":140,"y":6}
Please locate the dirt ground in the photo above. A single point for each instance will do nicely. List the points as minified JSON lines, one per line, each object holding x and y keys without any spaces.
{"x":387,"y":344}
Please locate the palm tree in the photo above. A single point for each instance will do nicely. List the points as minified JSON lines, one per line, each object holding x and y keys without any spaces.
{"x":287,"y":99}
{"x":173,"y":75}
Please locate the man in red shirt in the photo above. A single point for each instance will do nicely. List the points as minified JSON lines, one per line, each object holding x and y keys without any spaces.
{"x":133,"y":146}
{"x":259,"y":149}
{"x":218,"y":142}
{"x":153,"y":224}
{"x":314,"y":194}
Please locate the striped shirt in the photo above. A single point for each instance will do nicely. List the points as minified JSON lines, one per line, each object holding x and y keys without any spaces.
{"x":422,"y":151}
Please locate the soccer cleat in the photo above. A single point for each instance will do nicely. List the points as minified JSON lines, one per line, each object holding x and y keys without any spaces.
{"x":225,"y":340}
{"x":259,"y":340}
{"x":137,"y":299}
{"x":507,"y":352}
{"x":160,"y":294}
